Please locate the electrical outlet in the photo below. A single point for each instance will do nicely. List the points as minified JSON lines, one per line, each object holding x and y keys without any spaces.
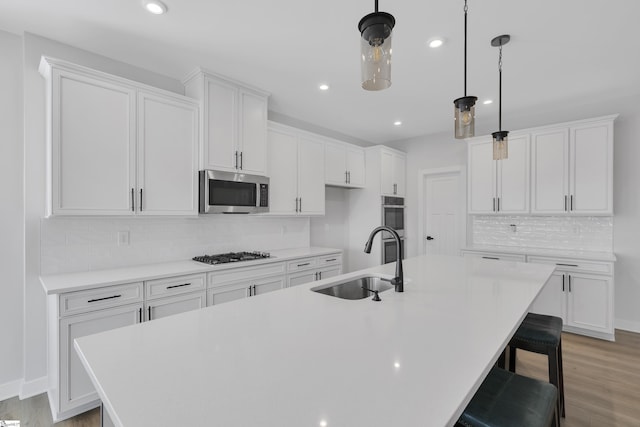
{"x":123,"y":238}
{"x":513,"y":227}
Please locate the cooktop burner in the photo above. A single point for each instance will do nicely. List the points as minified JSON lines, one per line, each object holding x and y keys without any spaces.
{"x":231,"y":257}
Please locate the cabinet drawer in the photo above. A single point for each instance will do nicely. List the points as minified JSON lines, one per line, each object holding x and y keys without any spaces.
{"x":496,"y":256}
{"x":244,"y":274}
{"x":174,"y":285}
{"x":332,"y":259}
{"x":575,"y":265}
{"x":302,"y":264}
{"x":95,"y":299}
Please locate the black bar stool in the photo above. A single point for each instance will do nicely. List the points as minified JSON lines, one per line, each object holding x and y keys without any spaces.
{"x":542,"y":334}
{"x":506,"y":399}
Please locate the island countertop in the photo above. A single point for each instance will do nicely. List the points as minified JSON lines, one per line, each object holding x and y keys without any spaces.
{"x":300,"y":358}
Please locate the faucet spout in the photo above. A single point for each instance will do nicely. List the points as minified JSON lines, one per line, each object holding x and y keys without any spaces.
{"x":397,"y":281}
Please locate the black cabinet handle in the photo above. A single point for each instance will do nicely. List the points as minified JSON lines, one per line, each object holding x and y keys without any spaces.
{"x":349,"y":177}
{"x":320,"y":275}
{"x":563,"y":283}
{"x":236,"y":164}
{"x":498,"y":204}
{"x":569,"y":277}
{"x":494,"y":204}
{"x":105,"y":298}
{"x":430,"y":238}
{"x":331,"y":260}
{"x":490,"y":257}
{"x":178,"y":286}
{"x":241,"y":160}
{"x":300,"y":204}
{"x":346,"y":177}
{"x":149,"y":310}
{"x":572,"y":202}
{"x":133,"y":200}
{"x":302,"y":265}
{"x":567,"y":265}
{"x":141,"y":200}
{"x":565,"y":203}
{"x":140,"y":315}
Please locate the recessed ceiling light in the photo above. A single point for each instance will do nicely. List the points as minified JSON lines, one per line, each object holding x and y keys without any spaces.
{"x":488,"y":101}
{"x":323,"y":87}
{"x":154,"y":6}
{"x":397,"y":123}
{"x":437,"y":42}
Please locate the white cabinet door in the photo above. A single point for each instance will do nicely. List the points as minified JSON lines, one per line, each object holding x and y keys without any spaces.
{"x":387,"y":186}
{"x":591,"y":169}
{"x":301,"y":278}
{"x":222,"y":294}
{"x":327,"y":272}
{"x":253,"y":134}
{"x":164,"y":307}
{"x":93,"y":146}
{"x":356,"y":167}
{"x":399,"y":174}
{"x":481,"y":185}
{"x":167,"y":155}
{"x":221,"y":125}
{"x":270,"y":284}
{"x":335,"y":165}
{"x":513,"y":178}
{"x":75,"y":386}
{"x":311,"y":176}
{"x":590,"y":302}
{"x":550,"y":172}
{"x":551,"y":300}
{"x":283,"y":171}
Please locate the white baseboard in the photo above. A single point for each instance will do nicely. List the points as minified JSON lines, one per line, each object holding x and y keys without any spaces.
{"x":628,"y":325}
{"x":33,"y":387}
{"x":10,"y":389}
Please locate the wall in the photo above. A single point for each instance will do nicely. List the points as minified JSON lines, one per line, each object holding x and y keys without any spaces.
{"x":11,"y":214}
{"x":332,"y":229}
{"x":426,"y":152}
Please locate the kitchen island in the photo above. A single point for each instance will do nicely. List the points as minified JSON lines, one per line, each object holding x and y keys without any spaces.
{"x":300,"y":358}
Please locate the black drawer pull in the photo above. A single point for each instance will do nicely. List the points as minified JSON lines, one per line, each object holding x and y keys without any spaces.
{"x":302,"y":265}
{"x":568,"y":265}
{"x":331,"y":260}
{"x":102,"y":299}
{"x":490,"y":257}
{"x":178,"y":286}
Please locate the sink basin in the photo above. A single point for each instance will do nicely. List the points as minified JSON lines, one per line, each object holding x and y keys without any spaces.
{"x":352,"y":289}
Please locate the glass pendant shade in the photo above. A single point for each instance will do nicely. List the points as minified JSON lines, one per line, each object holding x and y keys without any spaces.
{"x":375,"y":49}
{"x":500,"y":145}
{"x":464,"y":116}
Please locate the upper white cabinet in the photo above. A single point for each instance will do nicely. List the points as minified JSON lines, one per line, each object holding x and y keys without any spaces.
{"x":344,"y":165}
{"x":234,"y":123}
{"x":296,"y":170}
{"x":572,"y":169}
{"x":118,"y":147}
{"x":392,"y":171}
{"x":498,"y":186}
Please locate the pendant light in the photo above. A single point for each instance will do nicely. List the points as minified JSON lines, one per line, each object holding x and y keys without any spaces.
{"x":465,"y":110}
{"x":500,"y":138}
{"x":375,"y":47}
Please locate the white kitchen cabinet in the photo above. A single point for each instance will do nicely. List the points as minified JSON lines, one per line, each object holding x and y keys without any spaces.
{"x":306,"y":270}
{"x":572,"y":168}
{"x":393,"y":172}
{"x":296,"y":170}
{"x":234,"y":123}
{"x":581,"y":293}
{"x":498,"y":186}
{"x":244,"y":289}
{"x":165,"y":307}
{"x":117,"y":147}
{"x":76,"y":392}
{"x":344,"y":165}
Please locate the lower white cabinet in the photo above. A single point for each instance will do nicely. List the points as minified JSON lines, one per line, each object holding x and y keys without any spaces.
{"x":244,"y":289}
{"x":164,"y":307}
{"x":308,"y":270}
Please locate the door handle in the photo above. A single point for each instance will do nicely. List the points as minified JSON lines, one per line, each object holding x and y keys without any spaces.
{"x":241,"y":160}
{"x":349,"y":177}
{"x":133,"y":200}
{"x":346,"y":177}
{"x":236,"y":164}
{"x":571,"y":204}
{"x":141,"y":200}
{"x":300,"y":204}
{"x":563,"y":283}
{"x":494,"y":204}
{"x":430,"y":238}
{"x":149,"y":310}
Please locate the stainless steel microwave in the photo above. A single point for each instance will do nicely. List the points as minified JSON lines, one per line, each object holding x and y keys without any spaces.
{"x":233,"y":193}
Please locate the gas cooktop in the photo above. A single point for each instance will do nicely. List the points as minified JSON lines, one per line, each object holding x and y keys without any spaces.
{"x":231,"y":257}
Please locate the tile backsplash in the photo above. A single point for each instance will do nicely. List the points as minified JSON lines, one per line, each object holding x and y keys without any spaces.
{"x":567,"y":232}
{"x":84,"y":244}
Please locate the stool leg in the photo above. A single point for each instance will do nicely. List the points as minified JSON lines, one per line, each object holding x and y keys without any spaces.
{"x":561,"y":371}
{"x":554,"y":374}
{"x":512,"y":358}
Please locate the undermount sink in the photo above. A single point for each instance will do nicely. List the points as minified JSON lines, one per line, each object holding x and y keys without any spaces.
{"x":353,"y":288}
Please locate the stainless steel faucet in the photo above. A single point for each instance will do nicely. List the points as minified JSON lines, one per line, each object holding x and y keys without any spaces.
{"x":397,"y":281}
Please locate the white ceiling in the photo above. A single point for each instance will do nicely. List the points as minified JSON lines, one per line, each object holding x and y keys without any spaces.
{"x":562,"y":53}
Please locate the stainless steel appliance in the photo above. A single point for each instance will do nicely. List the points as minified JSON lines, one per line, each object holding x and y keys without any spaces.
{"x":231,"y":257}
{"x":233,"y":193}
{"x":393,"y":215}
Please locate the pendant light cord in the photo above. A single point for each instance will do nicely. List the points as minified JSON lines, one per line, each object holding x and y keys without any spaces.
{"x":500,"y":90}
{"x":466,"y":8}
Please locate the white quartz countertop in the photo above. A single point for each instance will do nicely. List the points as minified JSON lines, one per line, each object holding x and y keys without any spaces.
{"x":67,"y":282}
{"x":547,"y":252}
{"x":298,"y":358}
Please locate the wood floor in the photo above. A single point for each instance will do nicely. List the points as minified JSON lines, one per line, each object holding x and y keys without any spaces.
{"x":602,"y":386}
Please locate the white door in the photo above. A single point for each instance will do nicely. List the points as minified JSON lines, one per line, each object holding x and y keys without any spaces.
{"x":296,"y":279}
{"x":328,"y":272}
{"x":481,"y":185}
{"x":222,"y":294}
{"x":93,"y":146}
{"x":442,"y":214}
{"x":356,"y":167}
{"x":589,"y":302}
{"x":167,"y":156}
{"x":513,"y":179}
{"x":221,"y":126}
{"x":550,"y":172}
{"x":335,"y":165}
{"x":399,"y":174}
{"x":311,"y":176}
{"x":268,"y":285}
{"x":551,"y":300}
{"x":253,"y":131}
{"x":387,"y":186}
{"x":282,"y":161}
{"x":165,"y":307}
